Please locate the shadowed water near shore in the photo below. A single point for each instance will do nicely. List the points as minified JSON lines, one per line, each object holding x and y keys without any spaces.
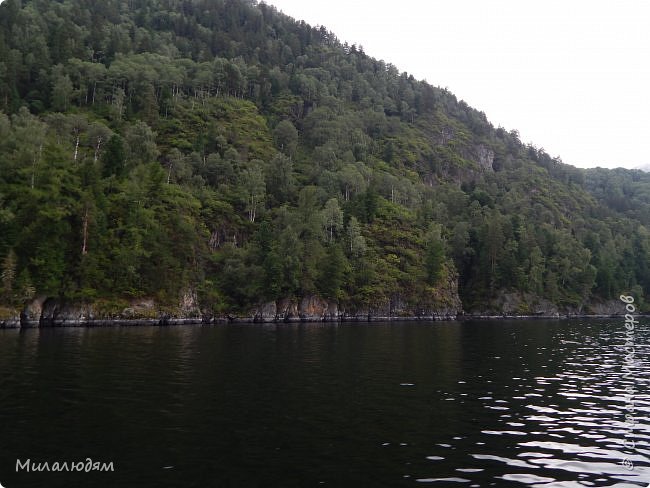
{"x":485,"y":403}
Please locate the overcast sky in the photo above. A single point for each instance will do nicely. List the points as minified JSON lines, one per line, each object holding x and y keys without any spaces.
{"x":572,"y":76}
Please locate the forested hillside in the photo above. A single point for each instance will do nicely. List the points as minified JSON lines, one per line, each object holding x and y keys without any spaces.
{"x":218,"y":148}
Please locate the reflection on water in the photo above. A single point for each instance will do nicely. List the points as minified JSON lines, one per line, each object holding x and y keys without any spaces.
{"x":574,"y":420}
{"x":509,"y":403}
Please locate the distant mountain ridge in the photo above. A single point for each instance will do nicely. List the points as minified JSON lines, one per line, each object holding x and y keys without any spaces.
{"x":219,"y":158}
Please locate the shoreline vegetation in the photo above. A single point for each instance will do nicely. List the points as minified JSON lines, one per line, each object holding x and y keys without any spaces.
{"x":49,"y":312}
{"x":163,"y":322}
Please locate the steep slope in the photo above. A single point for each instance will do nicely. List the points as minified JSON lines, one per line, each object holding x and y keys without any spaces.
{"x":224,"y":156}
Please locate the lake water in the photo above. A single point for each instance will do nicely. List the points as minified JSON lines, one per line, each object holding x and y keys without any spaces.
{"x":484,"y":403}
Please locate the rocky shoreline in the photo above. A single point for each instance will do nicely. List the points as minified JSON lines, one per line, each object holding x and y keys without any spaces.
{"x":51,"y":312}
{"x":17,"y":322}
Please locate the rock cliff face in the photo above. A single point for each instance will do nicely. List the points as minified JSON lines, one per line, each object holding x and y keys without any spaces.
{"x":55,"y":313}
{"x":308,"y":309}
{"x":31,"y":314}
{"x":484,"y":157}
{"x":610,"y":307}
{"x":315,"y":309}
{"x":287,"y":309}
{"x":51,"y":312}
{"x":515,"y":304}
{"x":441,"y":303}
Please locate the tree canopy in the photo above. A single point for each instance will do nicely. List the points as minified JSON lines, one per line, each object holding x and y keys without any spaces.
{"x":149,"y":147}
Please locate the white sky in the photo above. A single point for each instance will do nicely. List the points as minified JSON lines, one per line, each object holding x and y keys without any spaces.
{"x":572,"y":76}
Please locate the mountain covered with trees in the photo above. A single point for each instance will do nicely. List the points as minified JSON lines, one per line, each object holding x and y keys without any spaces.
{"x":223,"y":151}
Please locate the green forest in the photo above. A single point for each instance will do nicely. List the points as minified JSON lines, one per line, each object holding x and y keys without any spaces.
{"x":155,"y":148}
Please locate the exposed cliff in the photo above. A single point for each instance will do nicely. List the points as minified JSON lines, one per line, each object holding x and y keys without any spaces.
{"x":442,"y":304}
{"x":516,"y":304}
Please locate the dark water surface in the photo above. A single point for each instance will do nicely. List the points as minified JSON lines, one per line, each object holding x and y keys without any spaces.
{"x":507,"y":403}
